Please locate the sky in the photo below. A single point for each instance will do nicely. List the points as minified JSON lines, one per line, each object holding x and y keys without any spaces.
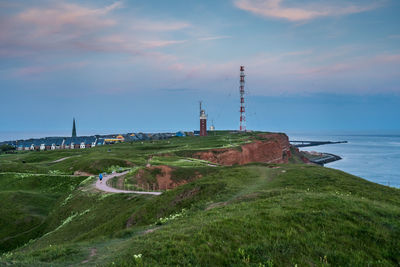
{"x":130,"y":66}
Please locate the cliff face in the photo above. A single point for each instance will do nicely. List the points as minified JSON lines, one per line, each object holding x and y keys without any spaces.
{"x":272,"y":148}
{"x":164,"y":178}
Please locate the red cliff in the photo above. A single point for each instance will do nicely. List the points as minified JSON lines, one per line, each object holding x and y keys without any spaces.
{"x":268,"y":148}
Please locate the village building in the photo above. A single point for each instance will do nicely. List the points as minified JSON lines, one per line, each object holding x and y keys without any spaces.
{"x":82,"y":142}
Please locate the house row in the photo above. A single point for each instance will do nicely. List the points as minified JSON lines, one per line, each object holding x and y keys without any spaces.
{"x":53,"y":143}
{"x":132,"y":137}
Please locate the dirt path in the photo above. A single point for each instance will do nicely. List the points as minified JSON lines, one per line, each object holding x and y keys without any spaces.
{"x":104,"y":187}
{"x":93,"y":253}
{"x":59,"y":160}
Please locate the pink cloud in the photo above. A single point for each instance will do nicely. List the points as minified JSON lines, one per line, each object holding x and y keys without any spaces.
{"x":74,"y":27}
{"x":31,"y":70}
{"x":159,"y":26}
{"x":276,"y":9}
{"x":66,"y":18}
{"x":395,"y":58}
{"x":210,"y":38}
{"x":297,"y":53}
{"x":121,"y":43}
{"x":37,"y":70}
{"x":113,"y":91}
{"x":343,"y":66}
{"x":161,"y":43}
{"x":270,"y":74}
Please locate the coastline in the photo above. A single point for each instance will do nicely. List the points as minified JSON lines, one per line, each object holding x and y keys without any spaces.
{"x":373,"y":157}
{"x":320,"y":158}
{"x":317,"y":157}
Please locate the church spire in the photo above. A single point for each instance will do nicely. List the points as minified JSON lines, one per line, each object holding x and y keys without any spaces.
{"x":73,"y":129}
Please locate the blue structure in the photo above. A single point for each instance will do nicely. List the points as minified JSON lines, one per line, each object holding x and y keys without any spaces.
{"x":180,"y":134}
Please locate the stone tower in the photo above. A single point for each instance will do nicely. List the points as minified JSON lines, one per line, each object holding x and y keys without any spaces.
{"x":203,"y":122}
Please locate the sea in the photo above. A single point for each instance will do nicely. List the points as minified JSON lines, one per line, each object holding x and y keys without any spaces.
{"x":374,"y":157}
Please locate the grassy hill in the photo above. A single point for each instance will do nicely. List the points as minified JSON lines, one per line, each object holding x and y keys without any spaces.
{"x":257,"y":214}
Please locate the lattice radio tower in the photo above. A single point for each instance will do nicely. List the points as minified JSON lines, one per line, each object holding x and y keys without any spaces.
{"x":242,"y":108}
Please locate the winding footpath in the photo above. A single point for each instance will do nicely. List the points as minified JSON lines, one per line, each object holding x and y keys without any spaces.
{"x":104,"y":187}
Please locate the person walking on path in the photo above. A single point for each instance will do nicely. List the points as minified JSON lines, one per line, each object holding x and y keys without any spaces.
{"x":100,"y":177}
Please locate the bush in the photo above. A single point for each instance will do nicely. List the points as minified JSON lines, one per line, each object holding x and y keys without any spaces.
{"x":6,"y":148}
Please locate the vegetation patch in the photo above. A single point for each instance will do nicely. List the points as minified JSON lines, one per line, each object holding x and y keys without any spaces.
{"x":257,"y":214}
{"x":190,"y":173}
{"x":171,"y":217}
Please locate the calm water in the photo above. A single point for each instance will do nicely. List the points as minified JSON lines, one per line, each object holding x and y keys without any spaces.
{"x":372,"y":157}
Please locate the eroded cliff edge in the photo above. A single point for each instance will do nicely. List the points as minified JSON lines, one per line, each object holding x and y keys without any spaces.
{"x":266,"y":148}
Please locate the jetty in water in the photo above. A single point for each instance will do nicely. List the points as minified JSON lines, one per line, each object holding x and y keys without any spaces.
{"x":325,"y":158}
{"x":297,"y":143}
{"x":316,"y":157}
{"x":320,"y":158}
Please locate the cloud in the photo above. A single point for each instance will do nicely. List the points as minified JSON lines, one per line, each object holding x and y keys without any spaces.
{"x":296,"y":72}
{"x":176,"y":90}
{"x":210,"y":38}
{"x":388,"y":58}
{"x":43,"y":36}
{"x":39,"y":33}
{"x":297,"y":53}
{"x":44,"y":29}
{"x":161,"y":43}
{"x":36,"y":70}
{"x":394,"y":36}
{"x":305,"y":12}
{"x":159,"y":26}
{"x":74,"y":28}
{"x":31,"y":70}
{"x":66,"y":18}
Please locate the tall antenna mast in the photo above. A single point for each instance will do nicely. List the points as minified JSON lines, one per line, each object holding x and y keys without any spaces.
{"x":242,"y":109}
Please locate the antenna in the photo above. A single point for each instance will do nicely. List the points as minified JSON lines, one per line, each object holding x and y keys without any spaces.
{"x":242,"y":108}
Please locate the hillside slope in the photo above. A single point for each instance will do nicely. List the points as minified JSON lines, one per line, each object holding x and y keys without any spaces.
{"x":257,"y":214}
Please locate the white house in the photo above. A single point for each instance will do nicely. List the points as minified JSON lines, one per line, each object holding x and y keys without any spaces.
{"x":32,"y":147}
{"x":82,"y":145}
{"x":42,"y":146}
{"x":53,"y":146}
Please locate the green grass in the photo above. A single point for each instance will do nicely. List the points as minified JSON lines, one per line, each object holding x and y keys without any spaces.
{"x":287,"y":221}
{"x":96,"y":160}
{"x":25,"y":202}
{"x":252,"y":215}
{"x":190,"y":173}
{"x":178,"y":161}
